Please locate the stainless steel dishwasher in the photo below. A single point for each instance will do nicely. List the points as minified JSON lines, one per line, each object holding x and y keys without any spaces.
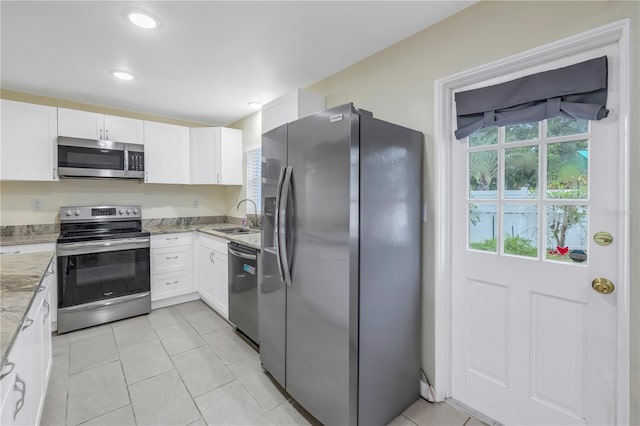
{"x":243,"y":290}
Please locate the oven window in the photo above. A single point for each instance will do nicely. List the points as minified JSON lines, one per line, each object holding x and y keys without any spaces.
{"x":89,"y":277}
{"x":90,"y":158}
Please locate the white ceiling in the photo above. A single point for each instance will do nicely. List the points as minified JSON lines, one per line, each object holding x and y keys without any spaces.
{"x":207,"y":60}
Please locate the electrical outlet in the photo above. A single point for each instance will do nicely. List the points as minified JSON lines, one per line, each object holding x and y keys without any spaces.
{"x":36,"y":205}
{"x":196,"y":203}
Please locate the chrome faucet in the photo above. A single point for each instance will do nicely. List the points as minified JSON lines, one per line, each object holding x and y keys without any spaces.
{"x":254,"y":206}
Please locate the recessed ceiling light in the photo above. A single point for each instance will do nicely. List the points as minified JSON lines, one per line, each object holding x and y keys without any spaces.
{"x":123,"y":75}
{"x":255,"y":105}
{"x":143,"y":20}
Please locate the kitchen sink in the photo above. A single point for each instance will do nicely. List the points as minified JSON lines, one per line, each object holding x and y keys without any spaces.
{"x":235,"y":231}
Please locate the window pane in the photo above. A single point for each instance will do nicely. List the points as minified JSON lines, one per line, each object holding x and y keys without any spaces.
{"x":520,"y":230}
{"x":522,"y":132}
{"x":567,"y":169}
{"x":483,"y":174}
{"x":567,"y":233}
{"x":254,"y":173}
{"x":561,"y":126}
{"x":482,"y":227}
{"x":521,"y":172}
{"x":487,"y":136}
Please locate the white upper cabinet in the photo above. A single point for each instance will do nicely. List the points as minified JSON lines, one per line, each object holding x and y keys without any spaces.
{"x":216,"y":156}
{"x":90,"y":125}
{"x":166,"y":152}
{"x":28,"y":142}
{"x":123,"y":129}
{"x":290,"y":107}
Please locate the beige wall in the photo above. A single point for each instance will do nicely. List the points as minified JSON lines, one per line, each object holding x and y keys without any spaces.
{"x":397,"y":84}
{"x":156,"y":200}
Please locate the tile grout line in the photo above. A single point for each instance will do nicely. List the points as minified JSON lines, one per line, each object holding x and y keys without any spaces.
{"x":411,"y":421}
{"x":124,"y":376}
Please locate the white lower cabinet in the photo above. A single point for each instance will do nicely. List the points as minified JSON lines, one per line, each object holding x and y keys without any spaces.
{"x":212,"y":272}
{"x":171,"y":265}
{"x":25,"y":374}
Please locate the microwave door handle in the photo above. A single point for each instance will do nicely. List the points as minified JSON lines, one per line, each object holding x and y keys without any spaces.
{"x":126,"y":160}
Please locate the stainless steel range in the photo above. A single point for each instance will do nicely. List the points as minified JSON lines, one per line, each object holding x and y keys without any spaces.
{"x":103,"y":266}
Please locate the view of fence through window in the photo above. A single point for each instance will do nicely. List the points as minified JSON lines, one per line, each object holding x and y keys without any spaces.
{"x":528,"y":177}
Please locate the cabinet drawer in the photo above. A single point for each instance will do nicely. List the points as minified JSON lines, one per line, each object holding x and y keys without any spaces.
{"x":170,"y":285}
{"x":171,"y":259}
{"x":171,"y":240}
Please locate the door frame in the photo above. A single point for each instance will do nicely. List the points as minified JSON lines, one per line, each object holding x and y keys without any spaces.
{"x":616,"y":33}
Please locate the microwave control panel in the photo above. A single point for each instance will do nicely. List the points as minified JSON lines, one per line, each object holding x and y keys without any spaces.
{"x":136,"y":161}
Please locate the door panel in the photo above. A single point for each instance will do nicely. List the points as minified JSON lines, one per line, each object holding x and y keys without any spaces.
{"x":272,"y":294}
{"x":532,"y":342}
{"x":318,"y":335}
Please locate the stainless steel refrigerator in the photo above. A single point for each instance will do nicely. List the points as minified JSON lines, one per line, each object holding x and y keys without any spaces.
{"x":339,"y":288}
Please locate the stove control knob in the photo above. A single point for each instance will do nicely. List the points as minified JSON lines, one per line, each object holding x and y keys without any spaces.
{"x":128,"y":211}
{"x":68,"y":213}
{"x":135,"y":211}
{"x":121,"y":211}
{"x":77,"y":212}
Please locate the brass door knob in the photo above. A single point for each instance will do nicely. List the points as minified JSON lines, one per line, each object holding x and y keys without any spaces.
{"x":603,"y":285}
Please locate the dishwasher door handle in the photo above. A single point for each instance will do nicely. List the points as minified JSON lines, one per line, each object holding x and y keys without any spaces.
{"x":242,"y":255}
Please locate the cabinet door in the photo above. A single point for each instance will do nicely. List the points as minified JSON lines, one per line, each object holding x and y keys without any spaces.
{"x":221,"y":281}
{"x":206,"y":273}
{"x":122,"y":129}
{"x":230,"y":157}
{"x":205,"y":142}
{"x":28,"y":143}
{"x":80,"y":124}
{"x":166,"y":153}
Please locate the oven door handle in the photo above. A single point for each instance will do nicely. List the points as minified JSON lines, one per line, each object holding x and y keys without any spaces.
{"x":88,"y":247}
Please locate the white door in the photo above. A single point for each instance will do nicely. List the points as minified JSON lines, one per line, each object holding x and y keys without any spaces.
{"x":206,"y":273}
{"x":28,"y":142}
{"x":123,"y":129}
{"x":166,"y":151}
{"x":80,"y":124}
{"x":205,"y":143}
{"x":230,"y":157}
{"x":532,"y":341}
{"x":221,"y":282}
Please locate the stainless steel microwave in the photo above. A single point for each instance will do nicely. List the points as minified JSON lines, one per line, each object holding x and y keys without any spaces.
{"x":99,"y":159}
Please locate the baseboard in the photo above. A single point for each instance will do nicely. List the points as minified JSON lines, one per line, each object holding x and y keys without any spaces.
{"x":163,"y":303}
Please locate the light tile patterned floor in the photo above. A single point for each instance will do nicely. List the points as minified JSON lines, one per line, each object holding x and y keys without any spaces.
{"x":181,"y":365}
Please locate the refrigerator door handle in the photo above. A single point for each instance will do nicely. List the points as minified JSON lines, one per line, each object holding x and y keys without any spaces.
{"x":282,"y":229}
{"x":276,"y":228}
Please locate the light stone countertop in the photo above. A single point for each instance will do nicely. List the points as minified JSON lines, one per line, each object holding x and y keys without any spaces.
{"x":16,"y":240}
{"x":20,"y":276}
{"x":252,"y":240}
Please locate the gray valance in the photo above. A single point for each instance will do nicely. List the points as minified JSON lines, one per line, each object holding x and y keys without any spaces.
{"x":577,"y":91}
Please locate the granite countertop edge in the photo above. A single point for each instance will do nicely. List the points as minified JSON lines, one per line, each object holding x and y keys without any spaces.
{"x":210,"y":229}
{"x":7,"y":344}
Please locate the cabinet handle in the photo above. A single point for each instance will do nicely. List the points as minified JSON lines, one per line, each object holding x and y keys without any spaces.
{"x":41,"y":288}
{"x":23,"y":390}
{"x":49,"y":271}
{"x":171,"y":238}
{"x":100,"y":133}
{"x":28,"y":322}
{"x":54,"y":173}
{"x":46,"y":304}
{"x":10,"y":365}
{"x":106,"y":134}
{"x":175,"y":282}
{"x":146,"y":176}
{"x":172,"y":257}
{"x":218,"y":177}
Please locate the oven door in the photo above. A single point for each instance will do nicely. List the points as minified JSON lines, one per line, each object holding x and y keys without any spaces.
{"x":89,"y":158}
{"x":99,"y":270}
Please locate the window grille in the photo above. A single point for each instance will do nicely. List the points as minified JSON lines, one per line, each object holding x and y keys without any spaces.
{"x":254,"y":174}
